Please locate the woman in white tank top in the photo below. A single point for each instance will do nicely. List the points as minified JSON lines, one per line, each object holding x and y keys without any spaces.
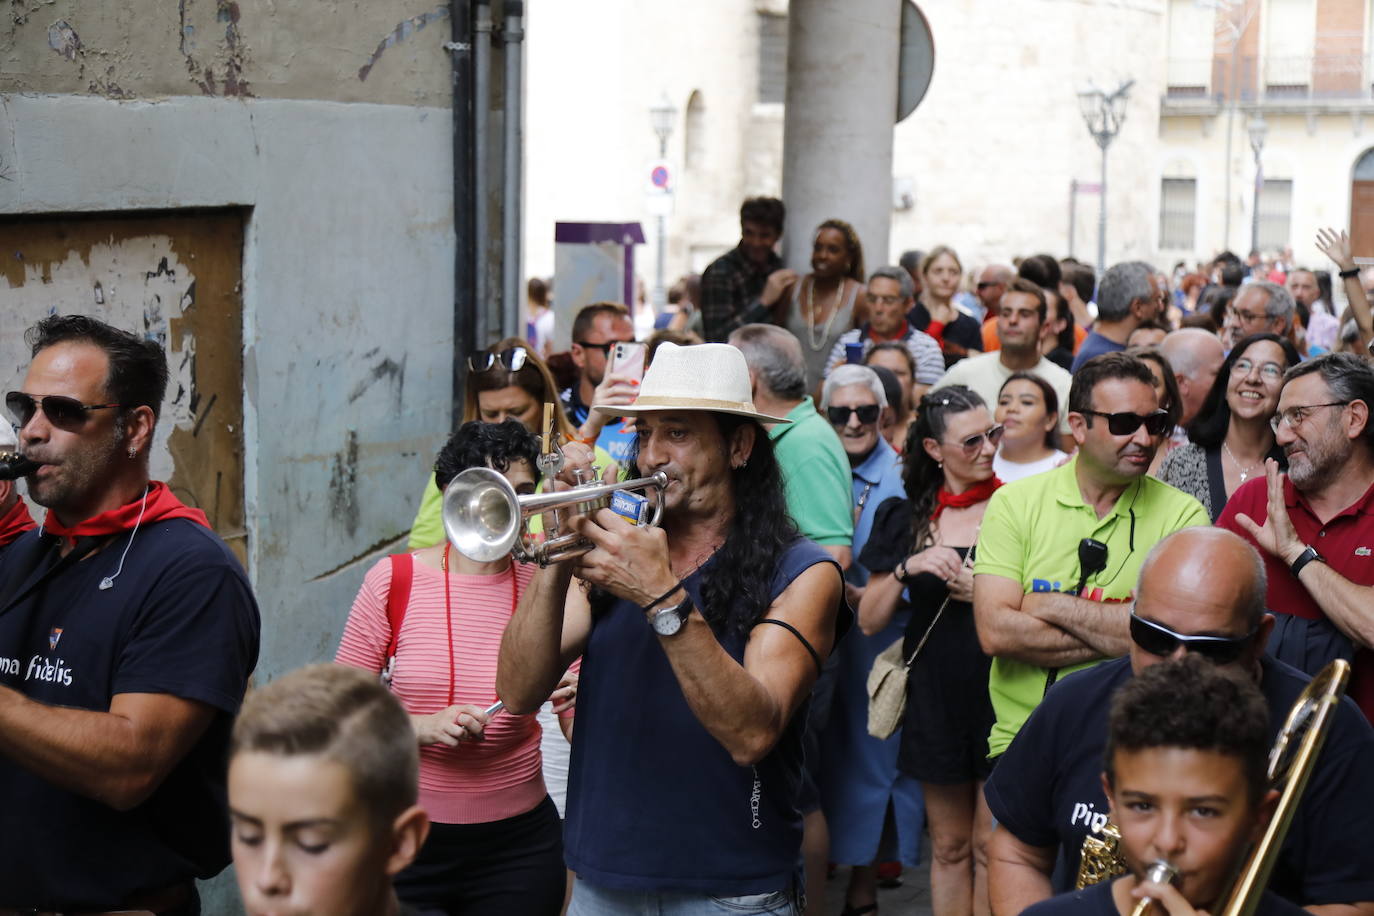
{"x":826,"y":302}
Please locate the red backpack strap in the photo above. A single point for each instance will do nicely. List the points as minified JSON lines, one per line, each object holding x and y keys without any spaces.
{"x":398,"y":596}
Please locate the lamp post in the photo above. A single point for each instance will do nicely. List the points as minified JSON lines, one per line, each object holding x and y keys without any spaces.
{"x":1257,"y":129}
{"x":662,"y":116}
{"x":1103,"y":113}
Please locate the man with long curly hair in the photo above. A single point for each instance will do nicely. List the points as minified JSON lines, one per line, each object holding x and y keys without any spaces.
{"x":685,"y":773}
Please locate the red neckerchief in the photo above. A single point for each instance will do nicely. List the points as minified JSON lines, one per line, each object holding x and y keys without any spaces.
{"x":161,"y":505}
{"x":15,"y":522}
{"x":970,"y":497}
{"x":900,"y":335}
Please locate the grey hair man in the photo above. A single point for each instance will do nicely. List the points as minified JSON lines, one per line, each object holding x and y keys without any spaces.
{"x":1196,"y":357}
{"x":1259,"y":308}
{"x":889,"y":295}
{"x":1128,"y":296}
{"x":1314,"y":524}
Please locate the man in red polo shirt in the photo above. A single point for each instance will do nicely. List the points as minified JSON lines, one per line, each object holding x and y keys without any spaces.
{"x":1315,"y":525}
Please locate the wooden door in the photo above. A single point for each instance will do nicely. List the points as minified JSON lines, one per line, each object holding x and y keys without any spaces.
{"x":1362,"y":220}
{"x":173,"y":276}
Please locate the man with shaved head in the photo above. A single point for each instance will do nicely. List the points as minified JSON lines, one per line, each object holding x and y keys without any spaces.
{"x":1200,"y":590}
{"x":1196,"y":357}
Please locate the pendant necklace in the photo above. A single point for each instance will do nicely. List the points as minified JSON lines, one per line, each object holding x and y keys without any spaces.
{"x":816,"y":345}
{"x":1244,"y":471}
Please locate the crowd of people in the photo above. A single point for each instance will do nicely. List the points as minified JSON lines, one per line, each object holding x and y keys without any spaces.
{"x":1113,"y":526}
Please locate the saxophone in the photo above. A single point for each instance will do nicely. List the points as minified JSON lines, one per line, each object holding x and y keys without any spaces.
{"x":1100,"y":859}
{"x":14,"y":465}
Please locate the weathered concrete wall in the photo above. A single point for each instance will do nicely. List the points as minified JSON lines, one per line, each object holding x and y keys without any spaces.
{"x":340,"y":50}
{"x":348,"y":288}
{"x":347,"y":299}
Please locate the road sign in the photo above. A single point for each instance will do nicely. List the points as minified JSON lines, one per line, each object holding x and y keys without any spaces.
{"x":915,"y":61}
{"x":661,"y":177}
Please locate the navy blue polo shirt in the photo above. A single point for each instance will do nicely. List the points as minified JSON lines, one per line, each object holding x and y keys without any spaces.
{"x":1047,"y":789}
{"x":179,"y":620}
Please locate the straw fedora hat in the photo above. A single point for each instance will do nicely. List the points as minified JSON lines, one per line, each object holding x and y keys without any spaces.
{"x":710,"y":377}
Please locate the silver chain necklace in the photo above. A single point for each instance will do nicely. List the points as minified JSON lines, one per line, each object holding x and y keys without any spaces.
{"x":816,"y":345}
{"x":1244,"y":471}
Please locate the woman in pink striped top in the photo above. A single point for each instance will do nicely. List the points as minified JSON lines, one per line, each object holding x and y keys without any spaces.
{"x":496,"y":842}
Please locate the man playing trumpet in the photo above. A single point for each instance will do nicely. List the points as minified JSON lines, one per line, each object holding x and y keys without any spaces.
{"x":684,"y":776}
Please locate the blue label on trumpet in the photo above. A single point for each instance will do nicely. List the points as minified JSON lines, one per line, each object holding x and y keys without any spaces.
{"x":630,"y":506}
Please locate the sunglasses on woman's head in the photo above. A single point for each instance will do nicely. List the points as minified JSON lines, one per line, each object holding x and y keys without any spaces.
{"x":1126,"y":423}
{"x":1158,"y":639}
{"x":63,"y":412}
{"x":839,"y":416}
{"x":511,"y":359}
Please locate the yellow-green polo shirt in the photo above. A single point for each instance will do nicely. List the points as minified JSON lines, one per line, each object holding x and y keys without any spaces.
{"x":1030,"y":534}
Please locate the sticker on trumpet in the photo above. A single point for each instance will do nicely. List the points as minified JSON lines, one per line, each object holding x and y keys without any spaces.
{"x":630,"y":506}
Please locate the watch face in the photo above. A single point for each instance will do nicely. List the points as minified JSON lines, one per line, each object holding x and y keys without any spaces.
{"x":667,"y":622}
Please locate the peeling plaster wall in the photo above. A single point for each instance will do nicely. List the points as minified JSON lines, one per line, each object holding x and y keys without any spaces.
{"x":339,"y":50}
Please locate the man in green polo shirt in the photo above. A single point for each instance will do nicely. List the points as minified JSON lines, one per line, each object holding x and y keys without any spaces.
{"x":815,"y":468}
{"x":1027,"y":568}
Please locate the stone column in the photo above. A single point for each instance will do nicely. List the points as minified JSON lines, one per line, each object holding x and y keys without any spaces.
{"x":837,"y":133}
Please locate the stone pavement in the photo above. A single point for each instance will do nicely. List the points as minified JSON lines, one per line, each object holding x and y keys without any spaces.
{"x":911,"y":899}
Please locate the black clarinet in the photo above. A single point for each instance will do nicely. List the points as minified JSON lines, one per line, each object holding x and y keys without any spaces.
{"x":14,"y":465}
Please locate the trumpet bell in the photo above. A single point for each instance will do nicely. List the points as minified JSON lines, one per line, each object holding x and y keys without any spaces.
{"x":481,"y":515}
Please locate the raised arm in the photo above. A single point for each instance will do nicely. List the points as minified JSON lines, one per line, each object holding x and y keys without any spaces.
{"x":549,"y":630}
{"x":1337,"y":247}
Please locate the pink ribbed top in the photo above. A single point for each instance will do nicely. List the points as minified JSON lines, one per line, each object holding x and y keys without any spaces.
{"x":477,"y":782}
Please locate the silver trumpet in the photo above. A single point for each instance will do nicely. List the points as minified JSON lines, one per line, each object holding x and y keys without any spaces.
{"x":485,"y":518}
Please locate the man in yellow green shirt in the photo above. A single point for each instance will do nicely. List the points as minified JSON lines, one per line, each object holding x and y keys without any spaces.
{"x":1039,"y":614}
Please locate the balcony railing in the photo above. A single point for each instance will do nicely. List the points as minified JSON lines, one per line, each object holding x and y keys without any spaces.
{"x":1277,"y":80}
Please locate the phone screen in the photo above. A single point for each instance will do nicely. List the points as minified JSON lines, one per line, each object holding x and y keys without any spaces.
{"x":627,"y":359}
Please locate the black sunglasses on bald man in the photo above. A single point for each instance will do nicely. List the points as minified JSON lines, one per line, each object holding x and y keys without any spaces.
{"x":1157,"y":639}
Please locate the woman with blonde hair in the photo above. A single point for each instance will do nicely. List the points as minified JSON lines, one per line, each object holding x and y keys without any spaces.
{"x":935,"y":313}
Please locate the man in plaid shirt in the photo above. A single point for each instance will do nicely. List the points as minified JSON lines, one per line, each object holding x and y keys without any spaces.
{"x":742,"y":285}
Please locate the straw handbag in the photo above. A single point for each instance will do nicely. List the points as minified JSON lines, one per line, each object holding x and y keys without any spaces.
{"x":887,"y":683}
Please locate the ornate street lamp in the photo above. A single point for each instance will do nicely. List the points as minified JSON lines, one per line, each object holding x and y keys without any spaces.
{"x":662,"y":116}
{"x":1257,"y":128}
{"x":1103,"y":114}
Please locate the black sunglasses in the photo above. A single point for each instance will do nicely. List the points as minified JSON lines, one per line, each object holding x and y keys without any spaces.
{"x":63,"y":412}
{"x":605,"y":348}
{"x":839,"y":416}
{"x":511,"y":359}
{"x":1124,"y":424}
{"x":1158,"y":639}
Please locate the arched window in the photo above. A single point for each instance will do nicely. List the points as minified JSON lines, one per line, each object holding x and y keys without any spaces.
{"x":694,"y":136}
{"x":1364,"y":166}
